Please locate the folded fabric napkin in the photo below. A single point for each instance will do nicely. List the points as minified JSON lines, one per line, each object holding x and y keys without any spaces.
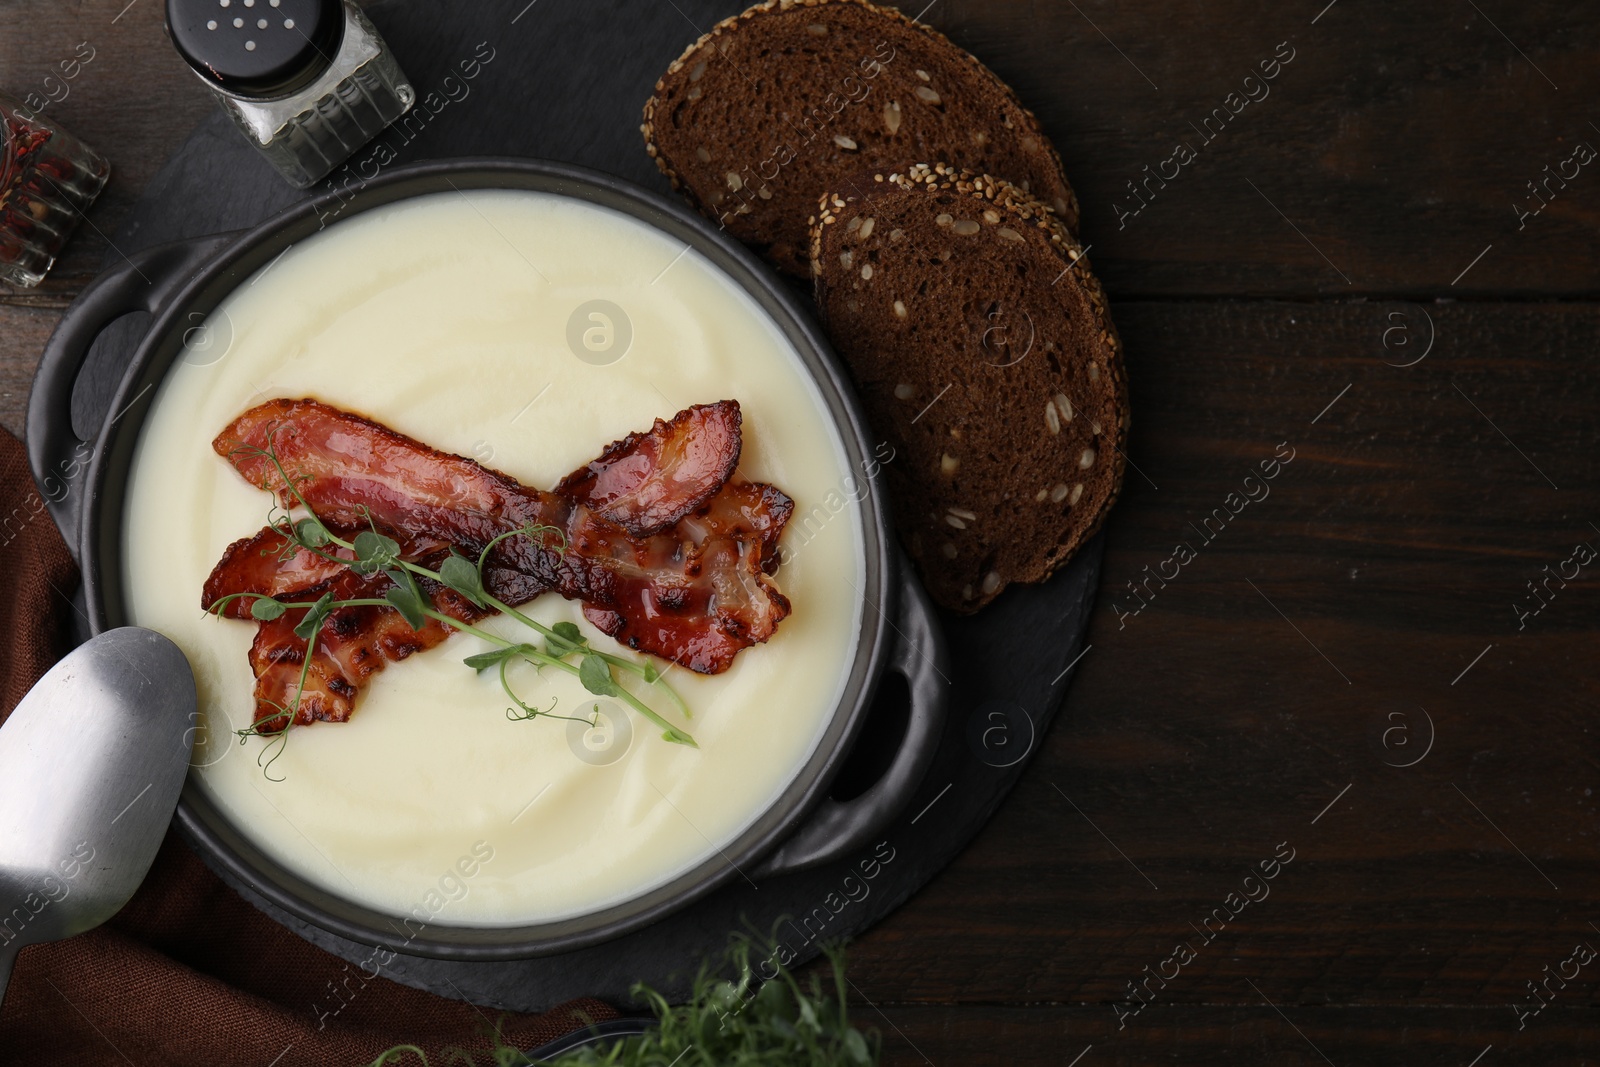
{"x":190,"y":973}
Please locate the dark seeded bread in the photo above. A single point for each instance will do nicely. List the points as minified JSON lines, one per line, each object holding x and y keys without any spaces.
{"x":984,"y":354}
{"x":774,"y":106}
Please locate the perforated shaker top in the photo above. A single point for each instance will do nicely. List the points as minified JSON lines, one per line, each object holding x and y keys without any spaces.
{"x":260,"y":48}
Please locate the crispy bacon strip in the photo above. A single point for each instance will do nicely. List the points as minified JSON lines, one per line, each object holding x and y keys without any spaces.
{"x":646,"y":482}
{"x":265,"y":564}
{"x":668,"y":553}
{"x":347,"y":468}
{"x":716,"y":560}
{"x":268,"y":564}
{"x":354,"y":644}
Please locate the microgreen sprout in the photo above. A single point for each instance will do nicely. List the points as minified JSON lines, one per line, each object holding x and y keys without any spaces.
{"x":732,"y":1018}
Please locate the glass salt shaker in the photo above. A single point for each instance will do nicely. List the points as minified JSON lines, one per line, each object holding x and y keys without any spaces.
{"x":308,"y":81}
{"x":48,"y":179}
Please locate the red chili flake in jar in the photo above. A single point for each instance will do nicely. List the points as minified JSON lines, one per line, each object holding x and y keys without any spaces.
{"x":48,"y":179}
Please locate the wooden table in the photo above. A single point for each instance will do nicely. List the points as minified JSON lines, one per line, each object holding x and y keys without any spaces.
{"x":1350,"y":271}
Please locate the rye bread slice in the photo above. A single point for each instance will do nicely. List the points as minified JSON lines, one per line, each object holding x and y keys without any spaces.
{"x":985,"y":356}
{"x":774,"y":106}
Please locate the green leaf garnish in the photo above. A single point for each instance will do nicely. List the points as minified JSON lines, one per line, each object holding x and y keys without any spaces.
{"x":406,"y":603}
{"x":374,"y":552}
{"x":371,"y":545}
{"x":782,"y":1021}
{"x":459,"y":574}
{"x":565,"y":639}
{"x":484,"y":660}
{"x":595,"y":674}
{"x":308,"y":626}
{"x":311,"y":533}
{"x":266,"y":609}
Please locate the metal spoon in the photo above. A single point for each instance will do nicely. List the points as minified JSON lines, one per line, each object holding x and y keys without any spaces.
{"x":91,"y":763}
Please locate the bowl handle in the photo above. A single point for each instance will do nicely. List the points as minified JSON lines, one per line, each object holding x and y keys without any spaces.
{"x":838,"y":829}
{"x":144,"y":282}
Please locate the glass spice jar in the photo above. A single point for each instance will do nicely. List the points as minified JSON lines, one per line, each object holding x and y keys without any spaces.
{"x":48,"y":179}
{"x":308,"y":81}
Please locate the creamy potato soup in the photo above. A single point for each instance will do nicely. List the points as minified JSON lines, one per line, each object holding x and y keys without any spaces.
{"x":526,"y":331}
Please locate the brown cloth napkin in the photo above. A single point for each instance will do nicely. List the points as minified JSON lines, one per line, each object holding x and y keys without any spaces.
{"x":190,"y":973}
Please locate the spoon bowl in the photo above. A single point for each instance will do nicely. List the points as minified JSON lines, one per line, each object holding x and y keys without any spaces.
{"x":91,"y":763}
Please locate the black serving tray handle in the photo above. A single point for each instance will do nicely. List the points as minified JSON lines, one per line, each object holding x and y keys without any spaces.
{"x":145,"y":282}
{"x":836,"y":829}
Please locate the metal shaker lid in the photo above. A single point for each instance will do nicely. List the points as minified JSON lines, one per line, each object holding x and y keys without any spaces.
{"x":257,"y":48}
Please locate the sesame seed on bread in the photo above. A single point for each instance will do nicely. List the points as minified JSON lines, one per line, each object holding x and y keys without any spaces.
{"x":985,"y":354}
{"x":775,"y":105}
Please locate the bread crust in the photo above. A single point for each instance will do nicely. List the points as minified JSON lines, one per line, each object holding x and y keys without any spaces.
{"x":1005,"y":473}
{"x":782,"y":240}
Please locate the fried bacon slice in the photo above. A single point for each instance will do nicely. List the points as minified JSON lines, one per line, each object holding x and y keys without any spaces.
{"x":348,"y":469}
{"x":659,"y":590}
{"x":646,"y":482}
{"x":667,"y":549}
{"x":353,"y":644}
{"x":266,"y":564}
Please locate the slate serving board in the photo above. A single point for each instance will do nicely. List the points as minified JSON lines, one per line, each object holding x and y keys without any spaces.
{"x":566,"y":80}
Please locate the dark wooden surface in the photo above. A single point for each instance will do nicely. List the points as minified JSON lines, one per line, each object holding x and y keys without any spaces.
{"x":1373,"y":590}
